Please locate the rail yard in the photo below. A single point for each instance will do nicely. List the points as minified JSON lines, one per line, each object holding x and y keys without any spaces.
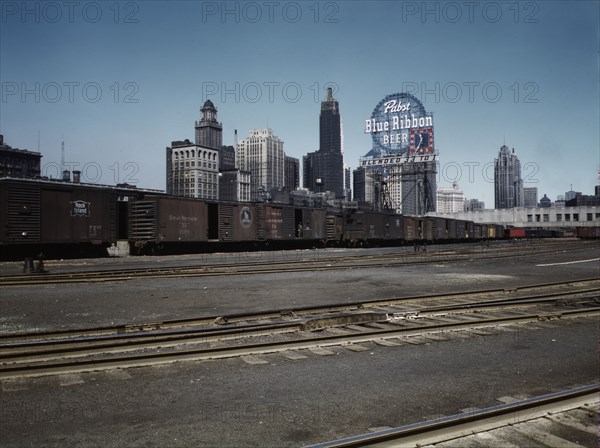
{"x":454,"y":344}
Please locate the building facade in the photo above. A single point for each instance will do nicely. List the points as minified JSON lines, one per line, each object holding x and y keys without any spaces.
{"x":473,"y":204}
{"x":323,"y":170}
{"x":450,"y":200}
{"x":530,"y":196}
{"x":508,"y":184}
{"x":291,"y":179}
{"x":209,"y":132}
{"x":234,"y":185}
{"x":261,"y":154}
{"x":18,"y":162}
{"x":192,"y":170}
{"x":534,"y":218}
{"x":347,"y":183}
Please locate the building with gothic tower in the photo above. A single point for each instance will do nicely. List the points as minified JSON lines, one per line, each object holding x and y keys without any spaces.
{"x":193,"y":168}
{"x":209,"y":132}
{"x":508,"y":184}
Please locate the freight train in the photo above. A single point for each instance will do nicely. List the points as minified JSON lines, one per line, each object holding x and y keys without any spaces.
{"x":66,"y":220}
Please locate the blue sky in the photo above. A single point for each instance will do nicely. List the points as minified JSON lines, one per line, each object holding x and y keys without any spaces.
{"x":118,"y":81}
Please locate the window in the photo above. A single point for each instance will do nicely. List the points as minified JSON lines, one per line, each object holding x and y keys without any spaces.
{"x":559,"y":217}
{"x":590,"y":216}
{"x":529,"y":218}
{"x":567,"y":216}
{"x":546,"y":217}
{"x":537,"y":218}
{"x":575,"y":216}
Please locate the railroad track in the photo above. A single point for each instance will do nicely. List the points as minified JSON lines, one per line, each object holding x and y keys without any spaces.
{"x":281,"y":266}
{"x":573,"y":408}
{"x":385,"y":322}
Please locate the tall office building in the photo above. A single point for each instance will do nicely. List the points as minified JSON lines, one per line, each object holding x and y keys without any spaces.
{"x":347,"y":183}
{"x":291,"y":178}
{"x":209,"y":132}
{"x":508,"y":184}
{"x":192,"y":170}
{"x":262,"y":155}
{"x":323,"y":170}
{"x":530,"y":195}
{"x":450,"y":200}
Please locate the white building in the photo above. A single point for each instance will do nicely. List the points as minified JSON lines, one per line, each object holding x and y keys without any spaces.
{"x":535,"y":218}
{"x":192,"y":170}
{"x":262,"y":155}
{"x":450,"y":200}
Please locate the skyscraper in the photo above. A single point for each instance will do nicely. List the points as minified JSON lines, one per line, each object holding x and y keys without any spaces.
{"x":323,"y":170}
{"x":530,"y":195}
{"x":262,"y":155}
{"x":192,"y":170}
{"x":291,"y":179}
{"x":508,"y":184}
{"x":209,"y":132}
{"x":450,"y":200}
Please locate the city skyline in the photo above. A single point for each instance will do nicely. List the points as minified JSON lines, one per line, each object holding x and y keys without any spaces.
{"x":116,"y":91}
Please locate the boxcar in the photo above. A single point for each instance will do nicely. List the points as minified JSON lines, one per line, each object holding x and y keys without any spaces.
{"x":411,"y":228}
{"x":588,"y":232}
{"x":438,"y":228}
{"x":238,"y":222}
{"x":60,"y":219}
{"x":160,"y":220}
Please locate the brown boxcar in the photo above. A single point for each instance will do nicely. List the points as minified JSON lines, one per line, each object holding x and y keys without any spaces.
{"x":588,"y":232}
{"x":438,"y":228}
{"x":53,"y":212}
{"x":479,"y":231}
{"x":20,"y":219}
{"x":167,"y":220}
{"x":411,"y":230}
{"x":76,"y":215}
{"x":319,"y":224}
{"x":245,"y":222}
{"x":470,"y":229}
{"x":271,"y":228}
{"x":461,"y":229}
{"x":334,"y":226}
{"x":395,"y":228}
{"x":451,"y":229}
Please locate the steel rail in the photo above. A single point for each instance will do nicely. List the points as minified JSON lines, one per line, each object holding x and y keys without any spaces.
{"x":146,"y":359}
{"x":121,"y":330}
{"x":124,"y":343}
{"x":135,"y":340}
{"x":455,"y":426}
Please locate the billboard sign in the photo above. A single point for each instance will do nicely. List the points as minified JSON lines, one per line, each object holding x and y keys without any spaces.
{"x":400,"y":127}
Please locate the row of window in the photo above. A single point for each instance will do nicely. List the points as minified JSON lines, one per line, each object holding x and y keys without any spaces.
{"x":559,"y":217}
{"x":210,"y":165}
{"x":209,"y":155}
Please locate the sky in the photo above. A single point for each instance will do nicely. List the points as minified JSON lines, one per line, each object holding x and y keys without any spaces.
{"x":118,"y":81}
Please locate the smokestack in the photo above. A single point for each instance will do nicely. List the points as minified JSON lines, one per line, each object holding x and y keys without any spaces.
{"x":66,"y":176}
{"x":76,"y":176}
